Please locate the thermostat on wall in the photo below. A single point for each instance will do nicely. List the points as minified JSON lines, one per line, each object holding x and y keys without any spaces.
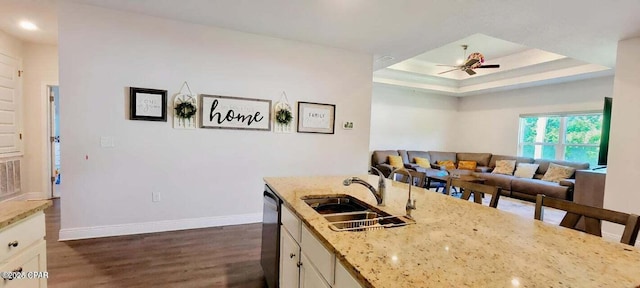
{"x":347,"y":125}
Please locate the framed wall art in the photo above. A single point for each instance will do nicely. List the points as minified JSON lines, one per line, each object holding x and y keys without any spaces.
{"x":225,"y":112}
{"x":147,"y":104}
{"x":316,"y":118}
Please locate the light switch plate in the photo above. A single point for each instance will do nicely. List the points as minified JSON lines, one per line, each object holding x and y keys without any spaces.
{"x":107,"y":142}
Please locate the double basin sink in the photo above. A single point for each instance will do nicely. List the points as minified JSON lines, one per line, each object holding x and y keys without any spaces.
{"x":346,"y":213}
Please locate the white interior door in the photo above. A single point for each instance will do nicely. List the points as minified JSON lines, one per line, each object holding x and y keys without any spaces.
{"x":10,"y":134}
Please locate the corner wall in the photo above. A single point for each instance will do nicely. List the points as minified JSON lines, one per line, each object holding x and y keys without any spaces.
{"x":411,"y":120}
{"x":206,"y":177}
{"x":621,"y":193}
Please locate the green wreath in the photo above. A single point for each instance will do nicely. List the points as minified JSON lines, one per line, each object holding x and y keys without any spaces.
{"x":284,"y":116}
{"x":185,"y":110}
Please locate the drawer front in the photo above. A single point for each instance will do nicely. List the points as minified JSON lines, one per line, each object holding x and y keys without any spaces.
{"x":291,"y":223}
{"x":21,"y":235}
{"x":322,"y":259}
{"x":32,"y":260}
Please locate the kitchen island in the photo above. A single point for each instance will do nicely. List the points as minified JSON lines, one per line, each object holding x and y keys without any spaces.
{"x":456,"y":243}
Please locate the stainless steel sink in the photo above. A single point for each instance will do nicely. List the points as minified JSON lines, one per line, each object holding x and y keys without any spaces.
{"x":340,"y":204}
{"x":346,"y":213}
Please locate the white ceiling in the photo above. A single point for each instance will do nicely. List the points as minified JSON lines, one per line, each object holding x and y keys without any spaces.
{"x":585,"y":30}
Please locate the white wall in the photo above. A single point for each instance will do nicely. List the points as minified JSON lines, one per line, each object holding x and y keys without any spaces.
{"x":10,"y":45}
{"x":41,"y":68}
{"x":411,"y":120}
{"x":205,"y":176}
{"x":621,"y":193}
{"x":489,"y":123}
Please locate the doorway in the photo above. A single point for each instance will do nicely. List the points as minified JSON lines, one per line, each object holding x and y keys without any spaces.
{"x":54,"y":132}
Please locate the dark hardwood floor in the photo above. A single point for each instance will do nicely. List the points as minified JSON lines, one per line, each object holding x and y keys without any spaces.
{"x":213,"y":257}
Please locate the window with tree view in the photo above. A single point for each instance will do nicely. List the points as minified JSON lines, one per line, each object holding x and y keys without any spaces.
{"x":570,"y":137}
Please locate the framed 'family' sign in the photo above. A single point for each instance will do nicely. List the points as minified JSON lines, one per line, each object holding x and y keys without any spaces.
{"x":147,"y":104}
{"x":224,"y":112}
{"x":316,"y":117}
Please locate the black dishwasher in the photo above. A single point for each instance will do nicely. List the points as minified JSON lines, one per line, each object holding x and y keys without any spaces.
{"x":270,"y":257}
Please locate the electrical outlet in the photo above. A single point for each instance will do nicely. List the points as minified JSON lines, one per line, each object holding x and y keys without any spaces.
{"x":155,"y":196}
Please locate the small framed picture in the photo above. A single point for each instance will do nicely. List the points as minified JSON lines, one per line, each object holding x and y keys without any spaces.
{"x":316,"y":118}
{"x":147,"y":104}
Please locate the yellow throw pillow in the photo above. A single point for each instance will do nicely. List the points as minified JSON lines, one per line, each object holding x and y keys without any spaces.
{"x":448,"y":164}
{"x":396,"y":161}
{"x":556,"y":172}
{"x":467,"y":165}
{"x":504,"y":167}
{"x":422,"y":162}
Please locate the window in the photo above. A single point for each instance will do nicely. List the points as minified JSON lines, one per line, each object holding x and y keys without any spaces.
{"x":570,"y":137}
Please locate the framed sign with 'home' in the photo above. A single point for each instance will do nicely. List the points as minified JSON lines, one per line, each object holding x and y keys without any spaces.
{"x":225,"y":112}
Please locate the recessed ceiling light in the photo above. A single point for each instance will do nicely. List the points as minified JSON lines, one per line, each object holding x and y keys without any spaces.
{"x":26,"y":25}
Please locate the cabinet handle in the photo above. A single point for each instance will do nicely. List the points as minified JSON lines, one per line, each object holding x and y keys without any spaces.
{"x":13,"y":243}
{"x":299,"y":264}
{"x":292,"y":255}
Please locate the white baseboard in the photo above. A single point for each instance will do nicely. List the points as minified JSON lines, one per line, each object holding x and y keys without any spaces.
{"x":616,"y":238}
{"x":157,"y":226}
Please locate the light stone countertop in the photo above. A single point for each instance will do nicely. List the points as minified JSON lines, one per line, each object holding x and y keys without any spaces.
{"x":458,"y":243}
{"x":14,"y":211}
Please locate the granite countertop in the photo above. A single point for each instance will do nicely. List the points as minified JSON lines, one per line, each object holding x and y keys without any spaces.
{"x":458,"y":243}
{"x":14,"y":211}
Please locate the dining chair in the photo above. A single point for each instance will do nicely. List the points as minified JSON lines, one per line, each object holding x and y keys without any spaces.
{"x":419,"y":178}
{"x":593,"y":217}
{"x":477,"y":189}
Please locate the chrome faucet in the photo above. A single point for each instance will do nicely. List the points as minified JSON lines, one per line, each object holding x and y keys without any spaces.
{"x":411,"y":204}
{"x":379,"y":194}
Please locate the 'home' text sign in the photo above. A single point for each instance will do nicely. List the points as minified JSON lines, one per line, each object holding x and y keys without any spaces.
{"x":226,"y":112}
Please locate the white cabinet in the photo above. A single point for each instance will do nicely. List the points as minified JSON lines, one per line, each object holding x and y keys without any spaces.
{"x":309,"y":276}
{"x":289,"y":260}
{"x":23,"y":249}
{"x":305,"y":262}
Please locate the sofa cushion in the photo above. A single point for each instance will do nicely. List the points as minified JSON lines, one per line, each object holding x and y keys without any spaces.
{"x":421,"y":154}
{"x":482,"y":159}
{"x":422,"y":162}
{"x":467,"y":165}
{"x":448,"y":164}
{"x":544,"y":165}
{"x":495,"y":158}
{"x":396,"y":161}
{"x":436,"y":156}
{"x":381,"y":156}
{"x":556,"y":172}
{"x":505,"y":167}
{"x":499,"y":180}
{"x":534,"y":187}
{"x":525,"y":170}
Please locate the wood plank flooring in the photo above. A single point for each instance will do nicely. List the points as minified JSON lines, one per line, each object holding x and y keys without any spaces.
{"x":213,"y":257}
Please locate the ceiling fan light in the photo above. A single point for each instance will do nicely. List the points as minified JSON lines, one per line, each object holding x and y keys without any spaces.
{"x":459,"y":61}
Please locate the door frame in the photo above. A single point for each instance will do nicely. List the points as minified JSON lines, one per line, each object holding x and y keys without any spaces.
{"x":46,"y":136}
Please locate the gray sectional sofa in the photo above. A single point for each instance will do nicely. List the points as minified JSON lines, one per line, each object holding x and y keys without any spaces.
{"x":521,"y":188}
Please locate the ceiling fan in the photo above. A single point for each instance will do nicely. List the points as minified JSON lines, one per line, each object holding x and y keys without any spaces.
{"x":475,"y":60}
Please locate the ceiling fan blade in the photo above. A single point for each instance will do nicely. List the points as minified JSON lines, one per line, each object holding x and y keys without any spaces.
{"x":490,"y":66}
{"x":447,"y":71}
{"x":470,"y":71}
{"x":470,"y":62}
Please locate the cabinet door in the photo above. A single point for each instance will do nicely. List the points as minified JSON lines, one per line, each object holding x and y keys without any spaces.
{"x":309,"y":276}
{"x":32,"y":260}
{"x":289,"y":259}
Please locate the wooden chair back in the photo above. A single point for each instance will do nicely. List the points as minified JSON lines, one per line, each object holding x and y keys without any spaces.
{"x":477,"y":189}
{"x":419,"y":178}
{"x":593,"y":217}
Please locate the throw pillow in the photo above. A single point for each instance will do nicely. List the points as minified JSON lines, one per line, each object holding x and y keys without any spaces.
{"x":422,"y":162}
{"x":526,"y":170}
{"x":504,"y":167}
{"x":448,"y":164}
{"x":467,"y":165}
{"x":396,"y":161}
{"x":556,"y":172}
